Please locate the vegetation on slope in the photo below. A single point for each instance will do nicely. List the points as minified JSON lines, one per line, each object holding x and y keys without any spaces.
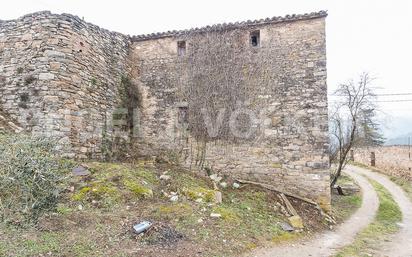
{"x":96,"y":213}
{"x":384,"y":224}
{"x":343,"y":206}
{"x":47,"y":208}
{"x":31,"y":178}
{"x":403,"y":182}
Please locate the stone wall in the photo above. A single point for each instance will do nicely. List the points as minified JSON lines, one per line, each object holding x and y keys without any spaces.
{"x":288,"y":96}
{"x":60,"y":77}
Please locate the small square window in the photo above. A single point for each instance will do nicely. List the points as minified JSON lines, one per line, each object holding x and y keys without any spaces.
{"x":183,"y":115}
{"x":255,"y":38}
{"x":181,"y":48}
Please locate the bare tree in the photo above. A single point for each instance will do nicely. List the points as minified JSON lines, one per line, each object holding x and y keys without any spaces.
{"x":352,"y":120}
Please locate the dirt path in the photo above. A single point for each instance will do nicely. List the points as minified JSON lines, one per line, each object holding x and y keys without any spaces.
{"x":400,"y":244}
{"x":326,"y":244}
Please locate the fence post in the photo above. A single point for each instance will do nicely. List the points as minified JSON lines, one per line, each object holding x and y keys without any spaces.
{"x":409,"y":146}
{"x":373,"y":159}
{"x":351,"y":156}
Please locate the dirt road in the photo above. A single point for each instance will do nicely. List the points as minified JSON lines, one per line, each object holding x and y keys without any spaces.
{"x":400,"y":244}
{"x":327,"y":244}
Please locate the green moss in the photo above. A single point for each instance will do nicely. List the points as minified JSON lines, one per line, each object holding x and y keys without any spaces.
{"x":276,"y":165}
{"x":93,"y":81}
{"x":111,"y":183}
{"x":174,"y":211}
{"x":137,"y":189}
{"x":148,"y":176}
{"x":99,"y":190}
{"x":205,"y":194}
{"x":81,"y":195}
{"x":105,"y":194}
{"x":284,"y":236}
{"x":228,"y":214}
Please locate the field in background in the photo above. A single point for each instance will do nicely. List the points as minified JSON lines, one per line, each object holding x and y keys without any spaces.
{"x":392,"y":160}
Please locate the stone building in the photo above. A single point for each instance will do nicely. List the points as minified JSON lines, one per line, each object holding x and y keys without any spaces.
{"x":247,"y":99}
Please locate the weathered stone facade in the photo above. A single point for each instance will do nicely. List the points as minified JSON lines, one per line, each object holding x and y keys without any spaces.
{"x":59,"y":77}
{"x":274,"y":70}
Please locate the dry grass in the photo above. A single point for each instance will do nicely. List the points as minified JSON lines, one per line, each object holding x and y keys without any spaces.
{"x":391,"y":160}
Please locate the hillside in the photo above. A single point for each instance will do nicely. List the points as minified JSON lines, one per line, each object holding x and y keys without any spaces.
{"x":400,"y":140}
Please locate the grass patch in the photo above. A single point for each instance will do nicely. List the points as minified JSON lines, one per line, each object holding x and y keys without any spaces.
{"x":202,"y":193}
{"x":174,"y":211}
{"x":116,"y":196}
{"x":111,"y":184}
{"x":343,"y":206}
{"x":406,"y":185}
{"x":384,"y":224}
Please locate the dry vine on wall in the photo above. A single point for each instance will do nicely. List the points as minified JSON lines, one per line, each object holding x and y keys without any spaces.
{"x":220,"y":74}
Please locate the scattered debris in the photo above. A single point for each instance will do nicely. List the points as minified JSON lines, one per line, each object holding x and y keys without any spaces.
{"x":163,"y":234}
{"x":272,"y":188}
{"x":215,"y":215}
{"x":282,"y":209}
{"x":338,"y":189}
{"x":288,"y":205}
{"x":174,"y":197}
{"x":165,"y":177}
{"x":296,"y":222}
{"x":215,"y":178}
{"x":223,"y":184}
{"x":348,"y":188}
{"x":286,"y":227}
{"x":218,"y":197}
{"x":329,"y":219}
{"x":236,"y":185}
{"x":200,"y":220}
{"x":80,"y":171}
{"x":142,"y":227}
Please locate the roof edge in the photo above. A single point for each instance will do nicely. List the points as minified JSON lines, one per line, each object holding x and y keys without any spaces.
{"x":235,"y":25}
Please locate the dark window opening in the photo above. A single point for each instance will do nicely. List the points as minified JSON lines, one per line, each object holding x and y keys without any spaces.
{"x":183,"y":115}
{"x":181,"y":48}
{"x":255,"y":38}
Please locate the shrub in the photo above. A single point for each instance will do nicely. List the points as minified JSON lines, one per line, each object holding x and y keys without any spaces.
{"x":30,"y":177}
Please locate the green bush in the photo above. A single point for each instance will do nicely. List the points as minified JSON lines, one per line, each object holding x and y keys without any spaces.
{"x":30,"y":177}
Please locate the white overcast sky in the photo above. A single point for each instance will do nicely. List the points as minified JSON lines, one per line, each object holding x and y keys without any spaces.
{"x":363,"y":35}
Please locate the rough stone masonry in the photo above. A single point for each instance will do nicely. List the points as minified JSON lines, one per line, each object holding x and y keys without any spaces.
{"x":245,"y":99}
